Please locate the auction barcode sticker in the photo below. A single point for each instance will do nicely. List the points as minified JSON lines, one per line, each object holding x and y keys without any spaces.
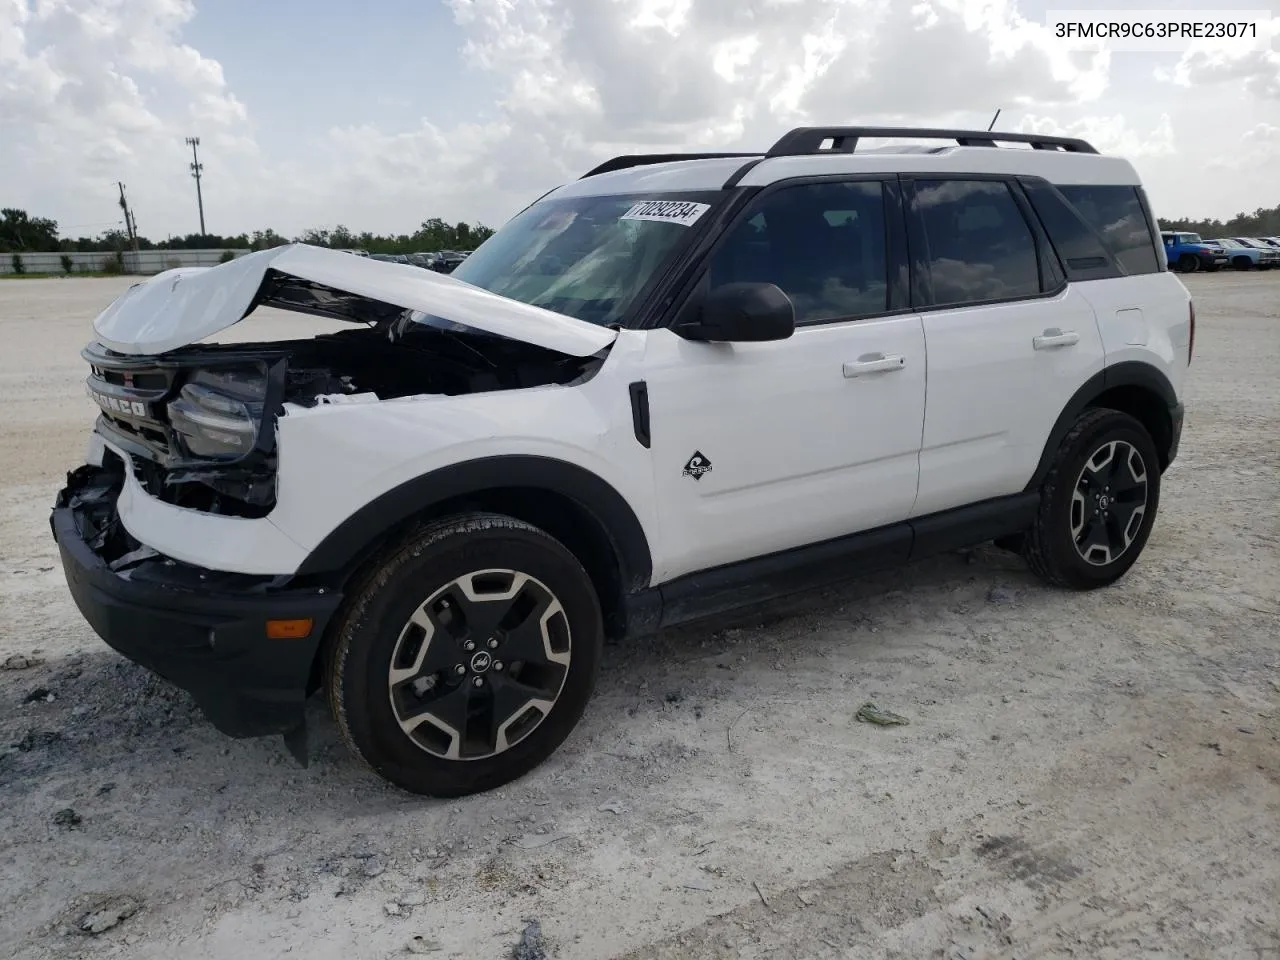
{"x":1162,"y":31}
{"x":667,"y":211}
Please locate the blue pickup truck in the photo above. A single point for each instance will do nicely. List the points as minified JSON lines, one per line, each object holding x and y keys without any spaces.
{"x":1188,"y":253}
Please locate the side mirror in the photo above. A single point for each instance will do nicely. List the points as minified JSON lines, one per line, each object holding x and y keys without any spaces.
{"x":743,"y":313}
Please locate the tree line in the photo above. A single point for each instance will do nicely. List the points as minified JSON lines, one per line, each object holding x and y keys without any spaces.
{"x":1260,"y":223}
{"x":22,"y":233}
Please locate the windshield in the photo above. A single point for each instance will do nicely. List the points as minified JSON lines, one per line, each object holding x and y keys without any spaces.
{"x":587,"y":257}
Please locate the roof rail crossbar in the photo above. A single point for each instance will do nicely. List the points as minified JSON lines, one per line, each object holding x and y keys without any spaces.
{"x":643,"y":159}
{"x":804,"y":141}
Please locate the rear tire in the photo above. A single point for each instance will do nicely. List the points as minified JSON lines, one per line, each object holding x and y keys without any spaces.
{"x":466,"y":656}
{"x":1097,"y":504}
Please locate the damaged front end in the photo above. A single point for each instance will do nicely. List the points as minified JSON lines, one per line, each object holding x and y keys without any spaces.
{"x":198,"y":422}
{"x":205,"y":631}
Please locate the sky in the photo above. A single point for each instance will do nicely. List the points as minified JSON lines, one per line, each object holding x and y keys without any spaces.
{"x":313,"y":113}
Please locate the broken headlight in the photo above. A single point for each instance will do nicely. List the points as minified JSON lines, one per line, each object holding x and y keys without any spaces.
{"x":217,"y":413}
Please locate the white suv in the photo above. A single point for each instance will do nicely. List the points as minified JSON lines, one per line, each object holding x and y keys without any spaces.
{"x":676,"y":386}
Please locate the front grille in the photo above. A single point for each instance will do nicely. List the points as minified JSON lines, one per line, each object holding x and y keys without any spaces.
{"x":132,"y":394}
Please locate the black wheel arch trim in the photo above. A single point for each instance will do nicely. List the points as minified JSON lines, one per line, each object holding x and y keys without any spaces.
{"x":1130,"y":373}
{"x":352,"y":539}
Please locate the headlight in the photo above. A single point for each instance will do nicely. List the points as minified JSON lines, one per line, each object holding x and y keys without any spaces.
{"x":217,"y":413}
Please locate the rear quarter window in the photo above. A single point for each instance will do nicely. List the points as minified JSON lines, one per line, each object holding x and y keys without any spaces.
{"x":1116,"y":213}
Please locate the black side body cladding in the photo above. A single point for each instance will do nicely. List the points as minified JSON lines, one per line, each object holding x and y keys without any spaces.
{"x":761,"y":579}
{"x":1128,"y":374}
{"x":351,"y":540}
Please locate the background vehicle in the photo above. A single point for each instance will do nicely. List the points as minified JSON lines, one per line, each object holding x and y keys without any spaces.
{"x":1249,"y":255}
{"x":668,"y":389}
{"x":1188,"y":253}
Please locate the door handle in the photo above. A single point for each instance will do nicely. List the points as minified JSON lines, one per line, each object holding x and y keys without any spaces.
{"x":874,"y":363}
{"x":1053,"y":337}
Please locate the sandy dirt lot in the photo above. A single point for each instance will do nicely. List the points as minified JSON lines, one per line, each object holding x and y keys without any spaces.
{"x":1093,"y":776}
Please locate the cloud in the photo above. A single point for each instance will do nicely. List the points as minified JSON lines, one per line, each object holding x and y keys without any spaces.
{"x":1111,"y":135}
{"x":95,"y":91}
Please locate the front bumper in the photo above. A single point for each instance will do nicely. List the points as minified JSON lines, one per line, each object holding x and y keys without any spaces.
{"x":202,"y":630}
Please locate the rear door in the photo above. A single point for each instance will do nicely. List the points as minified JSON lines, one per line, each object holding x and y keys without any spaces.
{"x":1009,"y":341}
{"x":760,"y":447}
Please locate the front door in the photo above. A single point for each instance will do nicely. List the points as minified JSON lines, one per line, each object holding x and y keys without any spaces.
{"x":760,"y":447}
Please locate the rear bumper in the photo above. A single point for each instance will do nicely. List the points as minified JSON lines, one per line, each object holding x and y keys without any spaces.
{"x":1177,"y":414}
{"x":202,"y":630}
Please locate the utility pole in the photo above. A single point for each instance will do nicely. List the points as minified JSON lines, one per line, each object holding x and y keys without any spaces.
{"x":130,"y":224}
{"x":196,"y":168}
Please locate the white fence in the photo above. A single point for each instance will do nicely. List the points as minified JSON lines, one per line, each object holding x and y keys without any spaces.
{"x":144,"y":261}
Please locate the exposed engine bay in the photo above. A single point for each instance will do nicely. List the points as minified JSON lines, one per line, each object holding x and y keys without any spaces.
{"x":199,"y":422}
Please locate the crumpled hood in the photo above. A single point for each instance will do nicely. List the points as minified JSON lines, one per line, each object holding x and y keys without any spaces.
{"x":186,"y":305}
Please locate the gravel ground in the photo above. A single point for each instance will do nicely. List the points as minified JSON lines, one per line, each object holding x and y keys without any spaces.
{"x":1093,"y":776}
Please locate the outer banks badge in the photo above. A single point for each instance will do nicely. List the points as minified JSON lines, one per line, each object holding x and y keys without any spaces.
{"x":697,"y":466}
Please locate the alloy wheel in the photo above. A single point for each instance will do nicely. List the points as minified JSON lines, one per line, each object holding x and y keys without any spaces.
{"x":480,"y":664}
{"x":1109,"y":503}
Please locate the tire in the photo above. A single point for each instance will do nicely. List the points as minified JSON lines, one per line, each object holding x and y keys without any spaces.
{"x":1242,"y":263}
{"x":1069,"y":505}
{"x":489,"y":594}
{"x":1188,"y":263}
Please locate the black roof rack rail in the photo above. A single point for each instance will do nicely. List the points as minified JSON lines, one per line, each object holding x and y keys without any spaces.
{"x":804,"y":141}
{"x":643,"y":159}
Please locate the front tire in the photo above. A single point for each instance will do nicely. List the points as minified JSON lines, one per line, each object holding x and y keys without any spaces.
{"x":1098,"y":503}
{"x":466,"y":656}
{"x":1242,"y":263}
{"x":1188,"y":263}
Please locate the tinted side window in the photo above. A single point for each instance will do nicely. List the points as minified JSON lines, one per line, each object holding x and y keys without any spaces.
{"x":1117,"y":215}
{"x":823,"y":244}
{"x":979,"y":245}
{"x":1080,"y":248}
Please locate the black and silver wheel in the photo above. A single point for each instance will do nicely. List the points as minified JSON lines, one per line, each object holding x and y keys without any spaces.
{"x":466,"y":656}
{"x":1097,"y":504}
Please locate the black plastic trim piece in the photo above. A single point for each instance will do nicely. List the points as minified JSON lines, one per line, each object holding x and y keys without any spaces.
{"x":351,"y":540}
{"x":736,"y":585}
{"x":628,"y":161}
{"x":1131,"y":373}
{"x":973,"y":524}
{"x":640,"y":411}
{"x":803,"y":141}
{"x":761,"y":579}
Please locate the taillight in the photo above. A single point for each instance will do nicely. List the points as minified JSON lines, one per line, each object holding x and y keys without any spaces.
{"x":1191,"y":337}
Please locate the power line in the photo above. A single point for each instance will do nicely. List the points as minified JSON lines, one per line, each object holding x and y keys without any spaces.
{"x":196,"y":168}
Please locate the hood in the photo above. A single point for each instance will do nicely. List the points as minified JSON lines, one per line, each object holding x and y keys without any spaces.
{"x":186,"y":305}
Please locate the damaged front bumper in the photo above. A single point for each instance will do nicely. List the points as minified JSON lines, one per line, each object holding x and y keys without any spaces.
{"x":202,"y":630}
